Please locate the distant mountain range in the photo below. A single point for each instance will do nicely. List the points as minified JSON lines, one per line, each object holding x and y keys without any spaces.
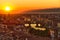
{"x":47,"y":10}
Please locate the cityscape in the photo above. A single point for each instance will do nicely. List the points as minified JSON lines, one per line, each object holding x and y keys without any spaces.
{"x":29,"y":19}
{"x":31,"y":25}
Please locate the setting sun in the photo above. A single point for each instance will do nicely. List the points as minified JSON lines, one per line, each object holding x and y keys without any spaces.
{"x":7,"y":8}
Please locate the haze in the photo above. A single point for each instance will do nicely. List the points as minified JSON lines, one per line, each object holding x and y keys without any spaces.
{"x":30,"y":4}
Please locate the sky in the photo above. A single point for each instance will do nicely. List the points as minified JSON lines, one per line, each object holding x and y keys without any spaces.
{"x":29,"y":4}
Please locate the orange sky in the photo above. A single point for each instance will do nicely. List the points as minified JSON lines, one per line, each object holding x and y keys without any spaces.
{"x":29,"y":4}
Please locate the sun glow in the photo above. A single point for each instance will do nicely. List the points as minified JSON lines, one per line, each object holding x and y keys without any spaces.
{"x":7,"y":8}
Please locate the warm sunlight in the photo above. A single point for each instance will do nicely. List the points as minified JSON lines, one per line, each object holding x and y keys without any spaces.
{"x":7,"y":8}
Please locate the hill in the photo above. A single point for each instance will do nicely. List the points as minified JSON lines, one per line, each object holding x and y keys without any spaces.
{"x":47,"y":10}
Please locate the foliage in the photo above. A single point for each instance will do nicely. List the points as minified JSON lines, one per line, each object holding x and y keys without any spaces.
{"x":39,"y":32}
